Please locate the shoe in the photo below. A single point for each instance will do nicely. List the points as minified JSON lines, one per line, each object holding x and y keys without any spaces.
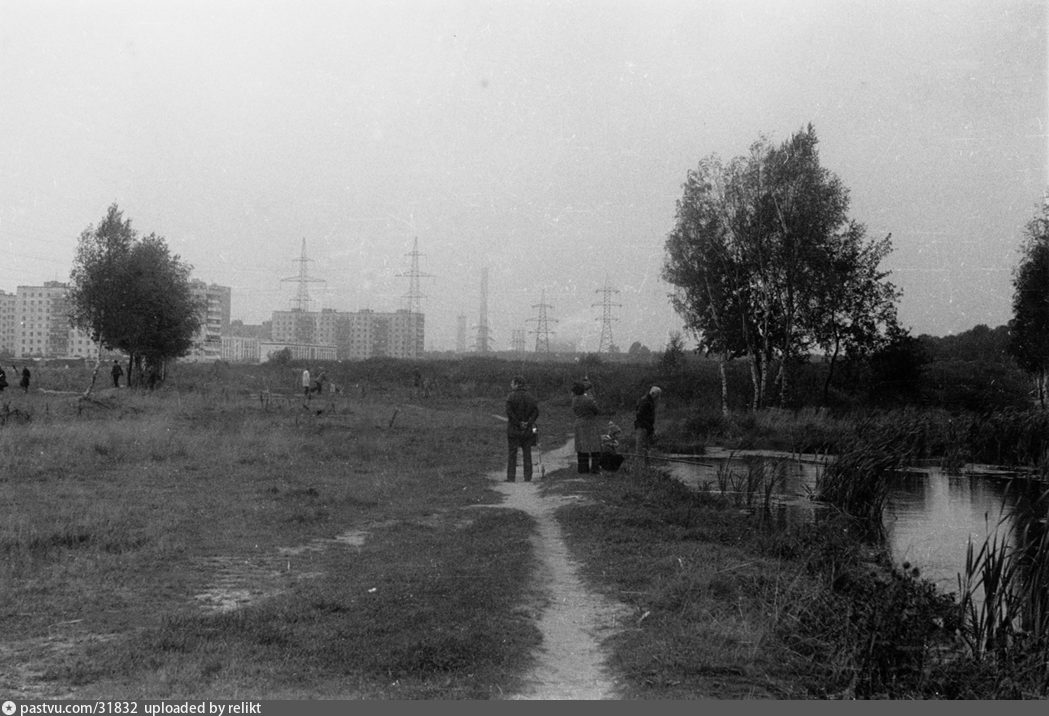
{"x":510,"y":480}
{"x":528,"y":479}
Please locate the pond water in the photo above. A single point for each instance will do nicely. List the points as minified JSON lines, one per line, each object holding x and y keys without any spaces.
{"x":929,"y":519}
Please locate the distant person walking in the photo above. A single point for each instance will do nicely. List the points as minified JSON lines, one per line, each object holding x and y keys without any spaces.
{"x":645,"y":422}
{"x":116,"y":372}
{"x":319,"y":383}
{"x":25,"y":379}
{"x":306,"y":385}
{"x":522,"y":411}
{"x":587,"y":428}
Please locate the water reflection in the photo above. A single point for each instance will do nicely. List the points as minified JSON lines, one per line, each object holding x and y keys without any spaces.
{"x":930,"y":516}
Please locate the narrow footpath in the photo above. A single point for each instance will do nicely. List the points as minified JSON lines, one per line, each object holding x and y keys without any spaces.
{"x":572,"y":663}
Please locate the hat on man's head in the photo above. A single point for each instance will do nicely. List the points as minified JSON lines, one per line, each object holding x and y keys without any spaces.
{"x":517,"y":380}
{"x":578,"y":389}
{"x":654,"y":391}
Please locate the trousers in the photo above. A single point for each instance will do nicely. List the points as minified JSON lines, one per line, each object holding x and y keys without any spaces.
{"x":512,"y":444}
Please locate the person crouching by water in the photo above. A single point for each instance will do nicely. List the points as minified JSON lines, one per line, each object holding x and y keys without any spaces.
{"x":645,"y":422}
{"x":522,"y":411}
{"x":611,"y":460}
{"x":587,"y":430}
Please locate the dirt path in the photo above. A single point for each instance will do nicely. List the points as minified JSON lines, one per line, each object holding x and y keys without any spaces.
{"x":574,"y":619}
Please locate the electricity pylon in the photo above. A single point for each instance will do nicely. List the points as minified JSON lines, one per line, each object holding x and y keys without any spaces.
{"x":301,"y":302}
{"x":542,"y":325}
{"x":605,"y":344}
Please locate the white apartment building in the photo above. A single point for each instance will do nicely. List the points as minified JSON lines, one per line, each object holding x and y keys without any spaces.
{"x":355,"y":336}
{"x":214,"y":321}
{"x":241,"y":349}
{"x":34,"y":323}
{"x":8,"y":302}
{"x":41,"y":324}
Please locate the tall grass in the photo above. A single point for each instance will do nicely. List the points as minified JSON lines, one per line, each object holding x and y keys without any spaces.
{"x":1004,"y":595}
{"x":760,"y":479}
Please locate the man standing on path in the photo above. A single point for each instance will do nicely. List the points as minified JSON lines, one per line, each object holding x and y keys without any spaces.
{"x":645,"y":422}
{"x":25,"y":379}
{"x":306,"y":386}
{"x":522,"y":411}
{"x":116,"y":372}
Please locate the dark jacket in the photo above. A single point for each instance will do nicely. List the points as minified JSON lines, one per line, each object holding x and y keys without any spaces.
{"x":645,"y":414}
{"x":522,"y":411}
{"x":587,"y":424}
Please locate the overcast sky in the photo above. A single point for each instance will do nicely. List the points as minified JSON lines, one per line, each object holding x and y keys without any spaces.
{"x":547,"y":141}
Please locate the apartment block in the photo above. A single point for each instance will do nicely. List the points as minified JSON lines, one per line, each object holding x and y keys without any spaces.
{"x":355,"y":336}
{"x":214,"y":320}
{"x":8,"y":302}
{"x":241,"y":349}
{"x":41,"y":324}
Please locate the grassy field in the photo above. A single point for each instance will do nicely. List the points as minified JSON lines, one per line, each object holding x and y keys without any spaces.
{"x":346,"y":534}
{"x":212,"y":540}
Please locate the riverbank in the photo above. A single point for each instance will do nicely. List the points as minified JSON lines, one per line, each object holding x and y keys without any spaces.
{"x":187,"y":544}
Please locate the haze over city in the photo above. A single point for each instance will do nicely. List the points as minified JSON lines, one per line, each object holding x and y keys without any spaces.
{"x":545,"y":141}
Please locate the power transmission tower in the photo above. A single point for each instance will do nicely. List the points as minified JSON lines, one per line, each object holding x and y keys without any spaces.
{"x":301,"y":302}
{"x":460,"y":334}
{"x":517,"y":340}
{"x":414,"y":298}
{"x":542,"y":328}
{"x":484,"y":340}
{"x":605,"y":344}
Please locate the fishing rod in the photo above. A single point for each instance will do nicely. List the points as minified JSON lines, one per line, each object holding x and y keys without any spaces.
{"x":664,"y":458}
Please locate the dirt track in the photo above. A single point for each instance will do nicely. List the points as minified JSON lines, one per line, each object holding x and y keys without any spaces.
{"x":572,"y":663}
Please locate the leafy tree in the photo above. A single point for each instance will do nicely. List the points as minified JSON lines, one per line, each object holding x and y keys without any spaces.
{"x":705,"y":264}
{"x":1029,"y":326}
{"x":766,"y":263}
{"x":853,"y":309}
{"x":896,"y":369}
{"x":638,"y":349}
{"x":132,"y":295}
{"x":979,"y":343}
{"x":674,"y":353}
{"x":281,"y":357}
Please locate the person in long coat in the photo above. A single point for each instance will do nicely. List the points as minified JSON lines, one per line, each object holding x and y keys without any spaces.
{"x":587,"y":430}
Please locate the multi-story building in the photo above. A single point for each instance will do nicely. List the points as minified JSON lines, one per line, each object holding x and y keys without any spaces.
{"x":214,"y":320}
{"x":241,"y":349}
{"x":42,"y":328}
{"x":297,"y":351}
{"x":356,"y":336}
{"x":34,"y":323}
{"x":7,"y":322}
